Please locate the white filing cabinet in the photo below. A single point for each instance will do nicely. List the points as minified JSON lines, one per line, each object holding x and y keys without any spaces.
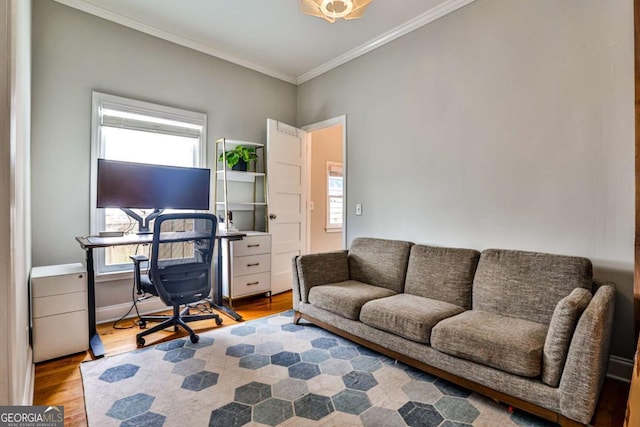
{"x":246,"y":266}
{"x":59,"y":311}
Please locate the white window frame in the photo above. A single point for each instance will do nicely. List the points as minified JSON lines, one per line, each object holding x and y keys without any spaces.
{"x":333,"y":228}
{"x":103,"y":100}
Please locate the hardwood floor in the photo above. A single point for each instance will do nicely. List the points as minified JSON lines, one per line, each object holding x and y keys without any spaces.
{"x":58,"y":382}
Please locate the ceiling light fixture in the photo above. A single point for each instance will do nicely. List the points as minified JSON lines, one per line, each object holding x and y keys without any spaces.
{"x":331,"y":10}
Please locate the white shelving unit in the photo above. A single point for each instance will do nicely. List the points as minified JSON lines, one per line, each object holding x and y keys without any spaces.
{"x":246,"y":268}
{"x":253,"y":198}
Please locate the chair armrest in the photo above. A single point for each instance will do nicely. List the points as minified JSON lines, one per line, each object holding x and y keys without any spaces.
{"x":137,"y":260}
{"x":588,"y":356}
{"x":318,"y":269}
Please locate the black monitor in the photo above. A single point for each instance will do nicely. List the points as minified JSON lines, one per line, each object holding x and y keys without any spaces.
{"x":129,"y":186}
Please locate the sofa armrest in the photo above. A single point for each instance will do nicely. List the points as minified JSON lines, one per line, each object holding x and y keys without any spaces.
{"x":317,"y":269}
{"x":588,"y":355}
{"x":295,"y":282}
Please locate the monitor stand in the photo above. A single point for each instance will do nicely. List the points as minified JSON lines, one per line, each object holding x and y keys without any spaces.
{"x":143,"y":223}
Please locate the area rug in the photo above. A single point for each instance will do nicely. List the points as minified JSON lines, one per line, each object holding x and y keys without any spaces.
{"x":272,"y":372}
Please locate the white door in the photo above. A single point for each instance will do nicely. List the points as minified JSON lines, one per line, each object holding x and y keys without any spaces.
{"x":286,"y":160}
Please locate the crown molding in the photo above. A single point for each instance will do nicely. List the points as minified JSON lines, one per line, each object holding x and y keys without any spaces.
{"x":409,"y":26}
{"x":174,"y":38}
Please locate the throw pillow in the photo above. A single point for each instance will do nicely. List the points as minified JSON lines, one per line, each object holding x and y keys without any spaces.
{"x":563,"y":323}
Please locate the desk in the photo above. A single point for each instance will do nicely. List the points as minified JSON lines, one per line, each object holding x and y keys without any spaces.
{"x":89,"y":243}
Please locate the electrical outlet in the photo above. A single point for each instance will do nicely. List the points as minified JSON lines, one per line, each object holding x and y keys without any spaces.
{"x":359,"y":209}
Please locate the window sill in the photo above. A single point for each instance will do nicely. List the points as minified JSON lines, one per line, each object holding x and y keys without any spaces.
{"x":333,"y":230}
{"x":114,"y":276}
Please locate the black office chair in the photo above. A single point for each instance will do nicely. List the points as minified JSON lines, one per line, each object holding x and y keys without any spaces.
{"x":179,"y":270}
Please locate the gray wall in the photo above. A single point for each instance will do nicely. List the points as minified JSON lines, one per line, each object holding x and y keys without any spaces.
{"x":75,"y":53}
{"x":506,"y":124}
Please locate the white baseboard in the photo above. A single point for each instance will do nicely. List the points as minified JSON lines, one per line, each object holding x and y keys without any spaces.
{"x":112,"y":313}
{"x":620,"y":369}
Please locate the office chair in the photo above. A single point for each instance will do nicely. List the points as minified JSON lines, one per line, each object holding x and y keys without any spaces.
{"x":179,"y":270}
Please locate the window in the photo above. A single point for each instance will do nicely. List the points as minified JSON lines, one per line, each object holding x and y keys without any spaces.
{"x":135,"y":131}
{"x":334,"y":196}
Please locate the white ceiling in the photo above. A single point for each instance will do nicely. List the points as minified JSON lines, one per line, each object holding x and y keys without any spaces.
{"x":270,"y":36}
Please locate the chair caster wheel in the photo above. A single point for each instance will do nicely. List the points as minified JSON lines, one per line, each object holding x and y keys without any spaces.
{"x":142,"y":324}
{"x":218,"y":321}
{"x":140,"y":342}
{"x":194,"y":339}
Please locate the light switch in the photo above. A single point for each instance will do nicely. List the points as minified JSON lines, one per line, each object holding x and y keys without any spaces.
{"x":312,"y":205}
{"x":358,"y":209}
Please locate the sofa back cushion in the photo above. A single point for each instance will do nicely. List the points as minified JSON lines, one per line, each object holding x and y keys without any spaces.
{"x":527,"y":285}
{"x":379,"y":262}
{"x":444,"y":274}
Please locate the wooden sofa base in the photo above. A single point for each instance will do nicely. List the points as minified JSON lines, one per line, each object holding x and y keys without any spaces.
{"x":495,"y":395}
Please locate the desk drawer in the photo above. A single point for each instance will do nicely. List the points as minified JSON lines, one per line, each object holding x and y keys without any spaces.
{"x":58,"y":285}
{"x":59,"y":335}
{"x":251,"y":264}
{"x":252,"y":245}
{"x":59,"y":304}
{"x":251,"y":284}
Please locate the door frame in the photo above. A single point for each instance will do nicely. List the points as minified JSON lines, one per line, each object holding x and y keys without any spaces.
{"x":636,"y":274}
{"x":329,"y":123}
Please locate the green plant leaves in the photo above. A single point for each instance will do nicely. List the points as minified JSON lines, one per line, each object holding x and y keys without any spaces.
{"x":239,"y":152}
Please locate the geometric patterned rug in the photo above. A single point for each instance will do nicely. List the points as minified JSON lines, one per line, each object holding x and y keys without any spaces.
{"x":270,"y":372}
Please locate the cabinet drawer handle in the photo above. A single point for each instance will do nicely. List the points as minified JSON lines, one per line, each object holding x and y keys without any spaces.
{"x":253,"y":283}
{"x":253,"y":246}
{"x":253,"y":265}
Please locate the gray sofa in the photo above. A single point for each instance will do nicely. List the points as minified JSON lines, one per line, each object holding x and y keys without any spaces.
{"x":529,"y":329}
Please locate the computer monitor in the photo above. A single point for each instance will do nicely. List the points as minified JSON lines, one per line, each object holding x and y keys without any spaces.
{"x":129,"y":186}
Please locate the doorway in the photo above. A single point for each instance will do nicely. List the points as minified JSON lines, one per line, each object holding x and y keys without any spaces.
{"x":326,"y":178}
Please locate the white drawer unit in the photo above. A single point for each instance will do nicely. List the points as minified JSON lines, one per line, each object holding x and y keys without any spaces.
{"x":251,"y":264}
{"x":251,"y":284}
{"x":246,"y":266}
{"x":59,"y":311}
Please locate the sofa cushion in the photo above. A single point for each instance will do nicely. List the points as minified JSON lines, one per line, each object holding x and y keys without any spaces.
{"x":379,"y":262}
{"x":346,"y":298}
{"x":563,"y":323}
{"x":445,"y":274}
{"x":508,"y":344}
{"x":527,"y":285}
{"x":408,"y":316}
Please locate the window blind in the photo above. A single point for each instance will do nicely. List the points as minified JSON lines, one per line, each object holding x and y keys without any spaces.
{"x":123,"y":120}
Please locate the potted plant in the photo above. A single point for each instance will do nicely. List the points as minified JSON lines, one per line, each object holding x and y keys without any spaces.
{"x":239,"y":157}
